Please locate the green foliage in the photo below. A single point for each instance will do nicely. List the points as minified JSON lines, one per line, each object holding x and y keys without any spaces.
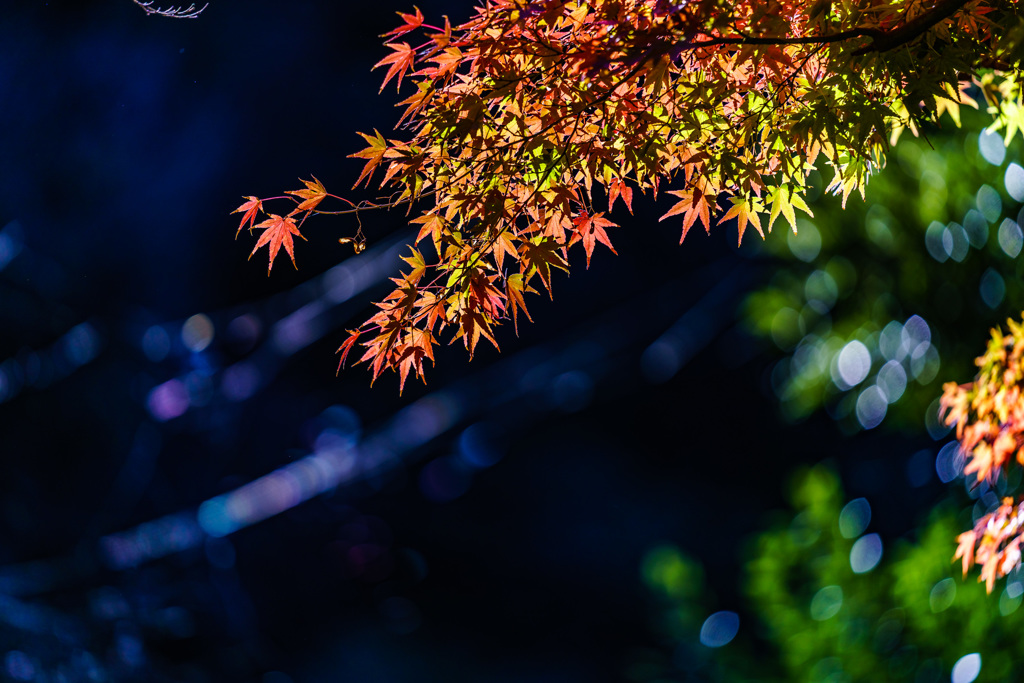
{"x":928,"y":242}
{"x":909,"y":618}
{"x":892,"y":623}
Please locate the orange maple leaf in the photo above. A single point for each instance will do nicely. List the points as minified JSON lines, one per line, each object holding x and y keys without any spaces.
{"x":743,"y":213}
{"x":251,"y":208}
{"x":433,"y":226}
{"x":278,"y":231}
{"x":514,"y":288}
{"x":418,"y":344}
{"x":473,"y":325}
{"x":400,"y":60}
{"x":693,"y":205}
{"x":617,"y":189}
{"x":311,"y":196}
{"x":374,"y":153}
{"x":965,"y":549}
{"x":447,"y":62}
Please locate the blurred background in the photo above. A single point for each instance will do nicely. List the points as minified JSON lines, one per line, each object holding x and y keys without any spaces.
{"x":702,"y":462}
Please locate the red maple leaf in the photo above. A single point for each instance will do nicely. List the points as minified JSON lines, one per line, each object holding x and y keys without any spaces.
{"x":412,"y":22}
{"x":346,"y":346}
{"x":590,"y":230}
{"x":277,"y":231}
{"x":251,"y":208}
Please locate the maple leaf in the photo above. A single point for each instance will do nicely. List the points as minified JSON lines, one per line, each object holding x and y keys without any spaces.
{"x":418,"y":344}
{"x":502,"y":246}
{"x":446,"y":62}
{"x":783,"y":200}
{"x":433,"y":309}
{"x":401,"y":60}
{"x":433,"y":226}
{"x":278,"y":231}
{"x":251,"y":208}
{"x":514,"y":289}
{"x":473,"y":325}
{"x":682,"y":206}
{"x":965,"y":549}
{"x":537,"y":256}
{"x":374,"y":153}
{"x":346,"y":346}
{"x":311,"y":196}
{"x":743,"y":212}
{"x":412,"y":22}
{"x":486,"y":296}
{"x":617,"y":189}
{"x":416,"y":101}
{"x":590,"y":231}
{"x":418,"y":267}
{"x":655,"y":78}
{"x":693,"y":204}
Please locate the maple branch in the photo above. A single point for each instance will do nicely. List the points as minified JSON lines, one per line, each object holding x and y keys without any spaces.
{"x":779,"y":40}
{"x":881,"y":41}
{"x":912,"y":29}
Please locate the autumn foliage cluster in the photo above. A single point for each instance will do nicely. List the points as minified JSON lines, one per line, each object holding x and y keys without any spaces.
{"x":526,"y":124}
{"x":529,"y":121}
{"x":989,"y":417}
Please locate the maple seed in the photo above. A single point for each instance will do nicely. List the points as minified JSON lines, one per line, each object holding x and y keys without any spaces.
{"x":358,"y":245}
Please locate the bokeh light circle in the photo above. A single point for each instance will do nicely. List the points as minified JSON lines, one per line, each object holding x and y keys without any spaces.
{"x":826,"y":603}
{"x":991,"y":146}
{"x":854,"y":363}
{"x":866,"y":553}
{"x":872,"y":405}
{"x":966,"y":668}
{"x":197,"y":333}
{"x":854,"y":518}
{"x":719,"y":629}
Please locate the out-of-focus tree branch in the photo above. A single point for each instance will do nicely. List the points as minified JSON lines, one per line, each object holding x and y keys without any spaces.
{"x":189,"y":12}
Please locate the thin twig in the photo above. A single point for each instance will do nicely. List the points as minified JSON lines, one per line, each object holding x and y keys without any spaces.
{"x":189,"y":12}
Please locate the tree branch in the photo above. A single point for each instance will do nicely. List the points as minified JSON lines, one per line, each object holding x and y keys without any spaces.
{"x":912,"y":29}
{"x":778,"y":40}
{"x":881,"y":41}
{"x":189,"y":12}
